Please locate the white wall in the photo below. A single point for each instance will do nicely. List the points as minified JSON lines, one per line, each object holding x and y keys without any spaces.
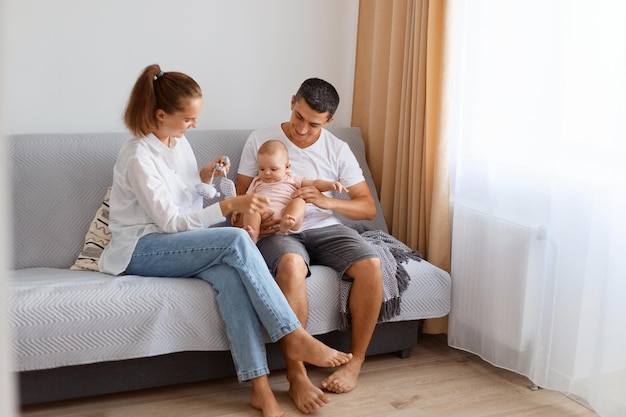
{"x":70,"y":64}
{"x":8,"y":399}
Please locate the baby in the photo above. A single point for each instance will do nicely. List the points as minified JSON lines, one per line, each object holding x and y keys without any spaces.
{"x":276,"y":182}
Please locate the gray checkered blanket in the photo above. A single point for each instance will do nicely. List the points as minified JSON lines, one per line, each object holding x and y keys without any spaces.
{"x":393,"y":254}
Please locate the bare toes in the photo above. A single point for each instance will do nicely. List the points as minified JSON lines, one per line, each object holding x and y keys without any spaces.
{"x":287,"y":223}
{"x":343,"y":380}
{"x":306,"y":396}
{"x":305,"y":348}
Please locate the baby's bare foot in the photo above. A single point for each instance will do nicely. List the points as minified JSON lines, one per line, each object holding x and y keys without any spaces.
{"x":286,"y":223}
{"x":301,"y":346}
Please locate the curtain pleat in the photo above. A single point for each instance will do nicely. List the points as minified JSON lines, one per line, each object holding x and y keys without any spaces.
{"x":397,"y":106}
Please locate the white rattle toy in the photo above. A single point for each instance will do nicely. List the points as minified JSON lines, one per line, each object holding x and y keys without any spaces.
{"x":209,"y":190}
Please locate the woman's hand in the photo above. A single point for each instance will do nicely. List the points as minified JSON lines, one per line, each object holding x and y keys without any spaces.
{"x":222,"y":165}
{"x":269,"y":225}
{"x":245,"y":204}
{"x":218,"y":167}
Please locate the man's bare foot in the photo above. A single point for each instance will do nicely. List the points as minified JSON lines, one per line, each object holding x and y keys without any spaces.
{"x":301,"y":346}
{"x":254,"y":234}
{"x":286,"y":223}
{"x":343,"y":379}
{"x":263,"y":399}
{"x":306,"y":396}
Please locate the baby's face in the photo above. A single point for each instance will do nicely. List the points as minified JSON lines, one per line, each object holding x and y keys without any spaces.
{"x":272,"y":167}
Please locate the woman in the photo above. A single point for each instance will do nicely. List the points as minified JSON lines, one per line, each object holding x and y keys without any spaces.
{"x":160,"y":228}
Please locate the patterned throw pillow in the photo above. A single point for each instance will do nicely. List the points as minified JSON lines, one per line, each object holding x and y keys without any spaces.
{"x":96,"y":239}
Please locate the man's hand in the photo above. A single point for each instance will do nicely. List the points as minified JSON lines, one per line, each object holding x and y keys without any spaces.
{"x":314,"y":196}
{"x":360,"y":206}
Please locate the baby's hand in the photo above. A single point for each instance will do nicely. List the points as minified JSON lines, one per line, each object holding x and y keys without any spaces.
{"x":337,"y":186}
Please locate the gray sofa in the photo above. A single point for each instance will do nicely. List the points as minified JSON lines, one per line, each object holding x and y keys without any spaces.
{"x":83,"y":333}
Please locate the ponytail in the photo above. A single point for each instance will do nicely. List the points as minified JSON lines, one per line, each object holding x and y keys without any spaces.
{"x":153,"y":90}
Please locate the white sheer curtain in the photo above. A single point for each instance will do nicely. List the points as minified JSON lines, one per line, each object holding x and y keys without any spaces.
{"x":535,"y":111}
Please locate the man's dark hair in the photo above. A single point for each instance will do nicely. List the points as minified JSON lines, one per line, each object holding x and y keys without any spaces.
{"x":320,"y":95}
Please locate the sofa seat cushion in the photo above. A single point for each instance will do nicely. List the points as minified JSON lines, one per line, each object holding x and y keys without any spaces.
{"x":61,"y":317}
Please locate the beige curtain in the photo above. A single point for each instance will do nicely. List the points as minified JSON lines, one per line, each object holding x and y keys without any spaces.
{"x":397,"y":106}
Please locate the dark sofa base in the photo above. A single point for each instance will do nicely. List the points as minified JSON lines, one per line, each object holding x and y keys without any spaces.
{"x":177,"y":368}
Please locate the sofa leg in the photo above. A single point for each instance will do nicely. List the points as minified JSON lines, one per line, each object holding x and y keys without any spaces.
{"x":404,"y":353}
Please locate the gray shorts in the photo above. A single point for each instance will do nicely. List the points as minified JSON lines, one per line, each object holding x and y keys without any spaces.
{"x":336,"y":246}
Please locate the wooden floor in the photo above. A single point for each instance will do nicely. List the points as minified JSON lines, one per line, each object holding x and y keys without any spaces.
{"x":435,"y":381}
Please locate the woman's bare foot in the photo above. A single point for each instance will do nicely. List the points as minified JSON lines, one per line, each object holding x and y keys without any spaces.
{"x":263,"y":398}
{"x":286,"y":223}
{"x":254,"y":234}
{"x":306,"y":396}
{"x":301,"y":346}
{"x":343,"y":379}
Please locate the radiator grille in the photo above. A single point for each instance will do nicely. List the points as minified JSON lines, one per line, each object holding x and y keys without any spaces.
{"x":495,"y":266}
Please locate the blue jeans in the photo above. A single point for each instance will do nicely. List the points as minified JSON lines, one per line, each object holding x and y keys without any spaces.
{"x":248,"y":298}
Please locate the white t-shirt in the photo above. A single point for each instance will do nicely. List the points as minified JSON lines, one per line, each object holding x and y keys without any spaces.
{"x":153,"y":191}
{"x":329,"y":158}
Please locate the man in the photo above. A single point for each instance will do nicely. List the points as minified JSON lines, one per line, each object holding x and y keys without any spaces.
{"x":315,"y":153}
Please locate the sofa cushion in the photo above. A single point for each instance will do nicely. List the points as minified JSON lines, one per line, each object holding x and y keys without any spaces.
{"x":61,"y":317}
{"x":96,"y":239}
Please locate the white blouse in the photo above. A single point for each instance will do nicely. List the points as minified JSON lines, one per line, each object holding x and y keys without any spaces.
{"x":153,"y":192}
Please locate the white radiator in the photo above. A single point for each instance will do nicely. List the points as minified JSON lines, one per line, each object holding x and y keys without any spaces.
{"x":496,"y":265}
